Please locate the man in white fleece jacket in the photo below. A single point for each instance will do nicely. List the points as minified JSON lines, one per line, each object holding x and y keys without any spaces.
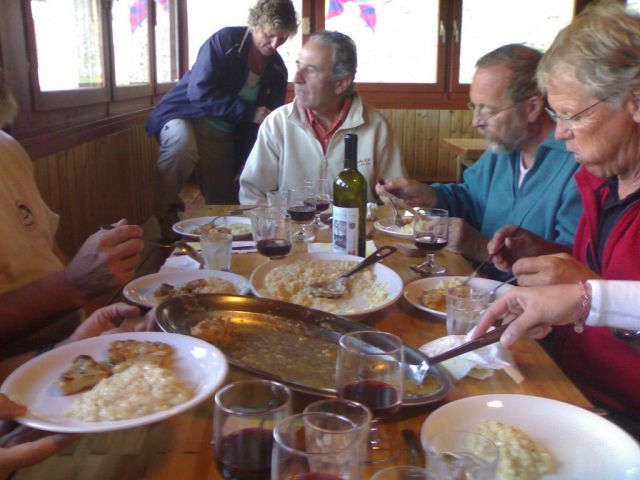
{"x":304,"y":140}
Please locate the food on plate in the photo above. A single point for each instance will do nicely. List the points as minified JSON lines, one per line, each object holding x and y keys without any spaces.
{"x":141,"y":389}
{"x":520,"y":458}
{"x":125,"y":352}
{"x":197,"y":286}
{"x":289,"y":282}
{"x":216,"y":329}
{"x":84,"y":373}
{"x":406,"y":229}
{"x":237,"y":229}
{"x":436,"y":298}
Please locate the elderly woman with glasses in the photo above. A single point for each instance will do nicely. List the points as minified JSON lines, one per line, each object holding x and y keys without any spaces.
{"x":591,"y":75}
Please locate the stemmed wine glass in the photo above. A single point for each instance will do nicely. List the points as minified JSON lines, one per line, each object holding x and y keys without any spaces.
{"x":370,"y":371}
{"x":318,"y":195}
{"x":271,"y":229}
{"x":431,"y":234}
{"x":301,"y":212}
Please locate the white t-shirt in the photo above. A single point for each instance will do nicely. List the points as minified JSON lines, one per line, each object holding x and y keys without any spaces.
{"x":615,"y":303}
{"x":28,"y":225}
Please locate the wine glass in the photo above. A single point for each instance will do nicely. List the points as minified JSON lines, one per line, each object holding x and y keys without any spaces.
{"x":316,"y":446}
{"x":318,"y":195}
{"x":245,"y":414}
{"x":370,"y":371}
{"x":431,"y":234}
{"x":301,"y":212}
{"x":271,"y":228}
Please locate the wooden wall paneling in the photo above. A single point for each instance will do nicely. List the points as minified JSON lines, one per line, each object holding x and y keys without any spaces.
{"x":444,"y":158}
{"x":420,"y":145}
{"x":433,"y":124}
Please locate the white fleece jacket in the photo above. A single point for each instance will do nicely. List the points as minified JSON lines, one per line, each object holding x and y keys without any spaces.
{"x":287,"y":152}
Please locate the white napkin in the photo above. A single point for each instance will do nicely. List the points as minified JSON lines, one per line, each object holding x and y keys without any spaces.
{"x":479,"y":363}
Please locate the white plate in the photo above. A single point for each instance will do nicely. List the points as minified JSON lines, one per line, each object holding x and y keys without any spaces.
{"x":197,"y":363}
{"x":384,"y":275}
{"x":141,"y":289}
{"x":414,"y":290}
{"x":388,"y":225}
{"x":184,"y":227}
{"x":583,"y":444}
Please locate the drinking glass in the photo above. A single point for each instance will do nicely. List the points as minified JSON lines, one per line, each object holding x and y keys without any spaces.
{"x":271,"y":228}
{"x":459,"y":454}
{"x":465,"y":306}
{"x":402,"y":472}
{"x":245,"y":414}
{"x":301,"y":213}
{"x":277,"y":199}
{"x":216,"y":250}
{"x":318,"y":195}
{"x":431,"y":234}
{"x":370,"y":370}
{"x":315,"y":446}
{"x":354,"y":411}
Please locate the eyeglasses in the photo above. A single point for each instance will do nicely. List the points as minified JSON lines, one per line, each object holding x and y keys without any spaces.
{"x":571,"y":121}
{"x":485,"y":113}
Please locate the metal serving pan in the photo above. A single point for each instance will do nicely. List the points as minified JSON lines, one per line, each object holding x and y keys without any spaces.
{"x":282,"y":341}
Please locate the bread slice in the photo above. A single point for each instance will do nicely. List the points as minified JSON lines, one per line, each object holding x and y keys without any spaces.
{"x":84,"y":373}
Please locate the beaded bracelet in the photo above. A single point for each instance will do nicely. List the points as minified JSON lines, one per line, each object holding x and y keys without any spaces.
{"x":585,"y":306}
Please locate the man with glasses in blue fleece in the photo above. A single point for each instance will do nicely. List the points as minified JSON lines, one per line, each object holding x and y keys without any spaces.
{"x":525,"y":177}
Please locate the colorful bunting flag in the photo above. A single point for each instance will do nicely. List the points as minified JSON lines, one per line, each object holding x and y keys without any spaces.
{"x":367,"y":12}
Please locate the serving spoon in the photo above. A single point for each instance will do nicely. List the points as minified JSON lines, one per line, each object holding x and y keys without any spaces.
{"x":338,"y":287}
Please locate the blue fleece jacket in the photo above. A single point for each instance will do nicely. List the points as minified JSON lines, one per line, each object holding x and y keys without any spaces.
{"x":547,"y":204}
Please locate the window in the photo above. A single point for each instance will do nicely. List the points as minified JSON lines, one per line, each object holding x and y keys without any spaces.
{"x":205,"y":17}
{"x":130,"y":31}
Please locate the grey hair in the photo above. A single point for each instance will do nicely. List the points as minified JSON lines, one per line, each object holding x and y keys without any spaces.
{"x":602,"y":49}
{"x":277,"y":14}
{"x":522,"y":62}
{"x":345,"y":55}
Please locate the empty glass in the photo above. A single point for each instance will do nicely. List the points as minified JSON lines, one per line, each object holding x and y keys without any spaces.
{"x":458,"y":454}
{"x":431,"y":234}
{"x":245,"y":414}
{"x":271,"y":228}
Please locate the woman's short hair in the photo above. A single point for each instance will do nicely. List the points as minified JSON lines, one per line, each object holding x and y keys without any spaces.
{"x":601,"y":47}
{"x":279,"y":15}
{"x":522,"y":62}
{"x":345,"y":55}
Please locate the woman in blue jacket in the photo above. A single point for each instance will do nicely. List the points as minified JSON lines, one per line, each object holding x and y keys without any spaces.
{"x":210,"y":118}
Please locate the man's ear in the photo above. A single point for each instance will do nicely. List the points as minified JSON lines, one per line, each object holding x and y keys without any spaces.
{"x":343,"y":84}
{"x":633,"y":104}
{"x":535,"y":107}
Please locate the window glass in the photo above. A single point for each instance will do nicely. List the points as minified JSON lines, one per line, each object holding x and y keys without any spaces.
{"x":633,"y":5}
{"x":488,"y":24}
{"x":129,"y":25}
{"x":166,"y":41}
{"x":206,"y":17}
{"x":397,"y":40}
{"x":68,"y":44}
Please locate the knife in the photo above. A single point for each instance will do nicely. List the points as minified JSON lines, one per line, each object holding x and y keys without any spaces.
{"x":412,"y":442}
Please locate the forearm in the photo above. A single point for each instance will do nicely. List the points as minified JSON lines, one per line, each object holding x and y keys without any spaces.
{"x":34,"y":305}
{"x":614,"y":304}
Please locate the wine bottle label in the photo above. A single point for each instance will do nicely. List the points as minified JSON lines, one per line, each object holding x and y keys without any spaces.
{"x":345,"y":230}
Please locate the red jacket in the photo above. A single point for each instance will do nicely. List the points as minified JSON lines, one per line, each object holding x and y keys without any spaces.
{"x":606,"y":368}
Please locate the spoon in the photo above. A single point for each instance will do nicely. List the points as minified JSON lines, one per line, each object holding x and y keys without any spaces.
{"x":338,"y":287}
{"x":492,"y":293}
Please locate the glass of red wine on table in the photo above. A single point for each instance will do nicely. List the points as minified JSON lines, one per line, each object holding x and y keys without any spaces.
{"x":271,"y":229}
{"x":319,"y":196}
{"x":430,"y":234}
{"x":301,"y":212}
{"x":245,"y":414}
{"x":370,"y":371}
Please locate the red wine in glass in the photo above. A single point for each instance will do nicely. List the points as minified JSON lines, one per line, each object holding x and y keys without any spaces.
{"x":302,"y":213}
{"x":246,"y":454}
{"x":382,"y":399}
{"x":273,"y":247}
{"x":320,"y":204}
{"x":431,"y":243}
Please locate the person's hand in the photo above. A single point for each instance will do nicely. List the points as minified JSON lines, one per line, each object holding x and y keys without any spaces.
{"x":512,"y":243}
{"x":106,"y":260}
{"x":532,"y":311}
{"x":104,"y":320}
{"x":260,"y":114}
{"x":24,"y":446}
{"x":466,"y":240}
{"x":551,"y":270}
{"x":416,"y":194}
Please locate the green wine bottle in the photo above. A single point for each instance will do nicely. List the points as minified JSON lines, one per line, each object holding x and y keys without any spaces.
{"x":350,"y":203}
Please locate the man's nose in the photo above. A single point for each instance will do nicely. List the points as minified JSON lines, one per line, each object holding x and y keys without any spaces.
{"x":477,"y":120}
{"x":298,"y":77}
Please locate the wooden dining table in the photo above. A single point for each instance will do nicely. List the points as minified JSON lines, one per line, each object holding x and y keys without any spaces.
{"x":180,"y":447}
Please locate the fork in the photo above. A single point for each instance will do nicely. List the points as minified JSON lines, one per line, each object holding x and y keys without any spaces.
{"x":398,"y":219}
{"x":492,"y":293}
{"x":144,"y":239}
{"x":488,"y":260}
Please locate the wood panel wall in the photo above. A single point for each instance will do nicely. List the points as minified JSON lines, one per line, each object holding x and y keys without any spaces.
{"x":114,"y":176}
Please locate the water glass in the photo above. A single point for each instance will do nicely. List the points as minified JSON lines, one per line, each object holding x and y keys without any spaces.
{"x":216,"y":250}
{"x":315,"y":445}
{"x":460,"y":454}
{"x":277,"y":199}
{"x":354,"y":411}
{"x":245,"y":414}
{"x":465,"y":306}
{"x":403,"y":472}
